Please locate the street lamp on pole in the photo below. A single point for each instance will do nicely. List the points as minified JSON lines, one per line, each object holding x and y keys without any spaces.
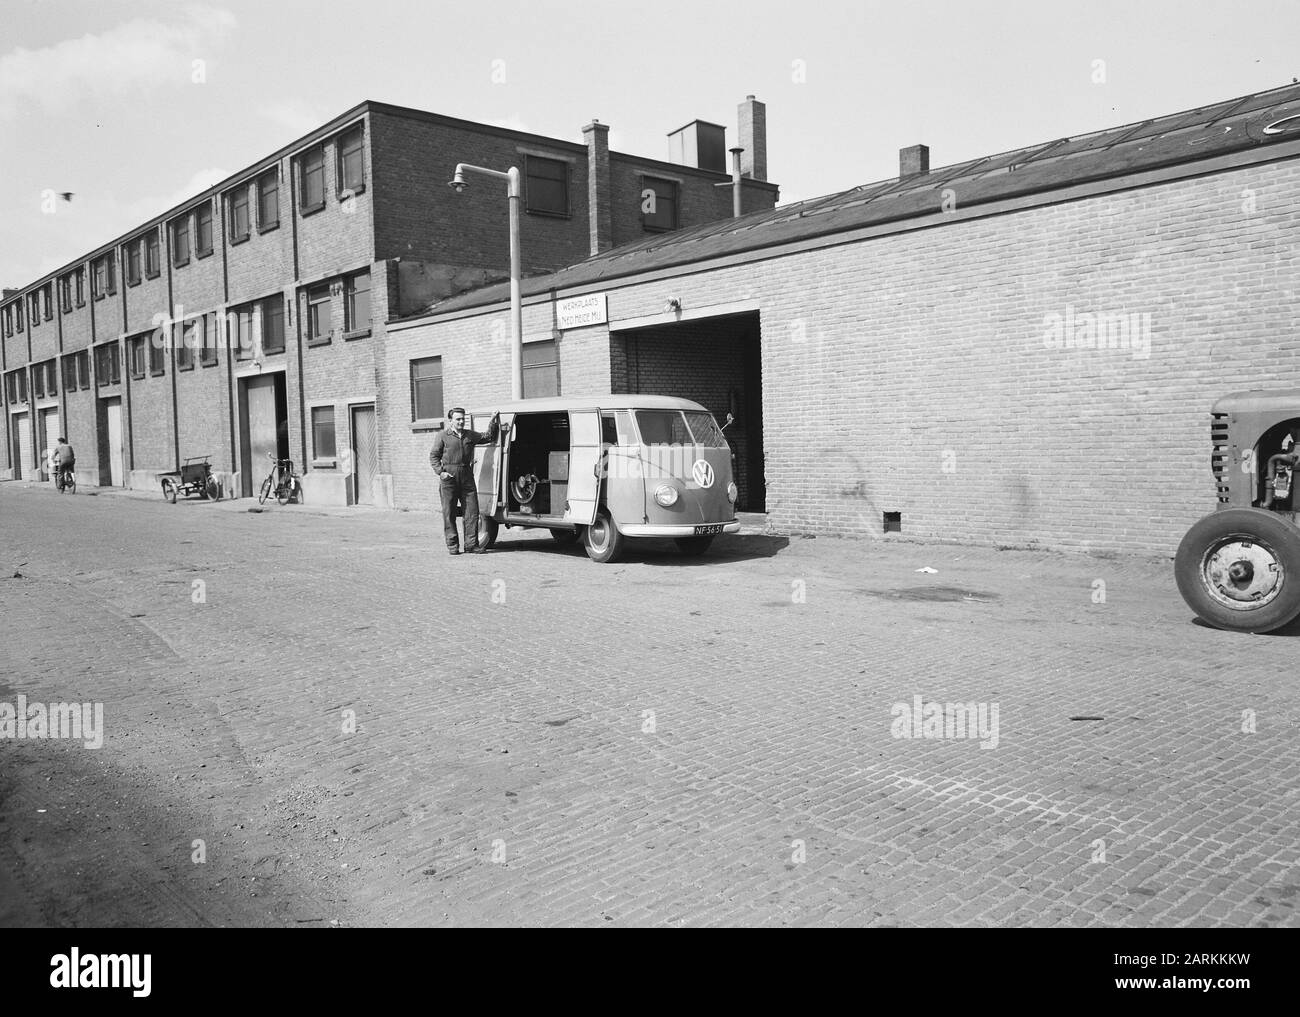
{"x":511,"y":176}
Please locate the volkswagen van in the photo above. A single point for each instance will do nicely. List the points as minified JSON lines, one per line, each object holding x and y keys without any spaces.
{"x":605,"y":470}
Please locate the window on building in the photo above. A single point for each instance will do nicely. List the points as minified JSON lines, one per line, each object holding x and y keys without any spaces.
{"x":38,"y":382}
{"x":318,"y":314}
{"x":158,"y":353}
{"x":152,"y":255}
{"x":70,"y":372}
{"x":356,"y":303}
{"x":273,"y":325}
{"x":8,"y":318}
{"x":47,"y":301}
{"x":18,"y":314}
{"x":322,"y":432}
{"x":104,"y":282}
{"x":180,"y":241}
{"x":79,"y":277}
{"x":312,"y":165}
{"x":16,"y":386}
{"x":65,"y":294}
{"x":547,"y":186}
{"x":239,"y":214}
{"x":351,"y":164}
{"x":658,"y":203}
{"x":135,"y":355}
{"x":133,"y":252}
{"x":241,"y":333}
{"x":426,"y":388}
{"x":203,"y":230}
{"x":268,"y":200}
{"x":34,"y":309}
{"x":189,"y":342}
{"x":51,"y":368}
{"x":207,"y":344}
{"x":541,"y":369}
{"x":108,"y":364}
{"x":83,"y":369}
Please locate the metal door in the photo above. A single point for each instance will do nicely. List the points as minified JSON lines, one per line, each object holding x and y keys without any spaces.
{"x":261,"y":438}
{"x":49,"y":437}
{"x":365,"y":454}
{"x":116,"y":466}
{"x":23,"y":467}
{"x":487,"y":461}
{"x":584,"y":467}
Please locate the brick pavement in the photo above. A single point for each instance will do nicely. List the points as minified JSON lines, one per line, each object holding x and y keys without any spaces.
{"x":770,"y":790}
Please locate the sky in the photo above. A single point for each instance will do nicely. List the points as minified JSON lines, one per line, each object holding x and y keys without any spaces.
{"x":135,"y":106}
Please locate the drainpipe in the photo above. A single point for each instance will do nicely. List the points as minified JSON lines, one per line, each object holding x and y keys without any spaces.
{"x":735,"y":181}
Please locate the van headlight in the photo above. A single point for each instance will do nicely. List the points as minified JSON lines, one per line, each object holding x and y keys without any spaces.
{"x":733,"y":492}
{"x":666,"y":495}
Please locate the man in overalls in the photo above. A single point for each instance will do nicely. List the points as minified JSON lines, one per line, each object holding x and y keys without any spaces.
{"x":452,"y":459}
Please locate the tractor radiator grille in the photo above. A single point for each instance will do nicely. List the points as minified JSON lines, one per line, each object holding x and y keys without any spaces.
{"x":1219,"y":454}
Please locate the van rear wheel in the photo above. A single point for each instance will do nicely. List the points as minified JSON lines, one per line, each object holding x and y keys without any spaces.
{"x":603,"y":541}
{"x":693,"y":545}
{"x":1239,"y":569}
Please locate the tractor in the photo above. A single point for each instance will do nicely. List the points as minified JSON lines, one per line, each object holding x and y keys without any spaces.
{"x":1239,"y":567}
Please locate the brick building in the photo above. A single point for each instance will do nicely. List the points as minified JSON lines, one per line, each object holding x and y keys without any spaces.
{"x":1021,"y":349}
{"x":251,"y":320}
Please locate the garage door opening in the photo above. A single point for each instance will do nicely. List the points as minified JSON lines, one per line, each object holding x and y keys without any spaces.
{"x":263,"y":427}
{"x":714,"y":361}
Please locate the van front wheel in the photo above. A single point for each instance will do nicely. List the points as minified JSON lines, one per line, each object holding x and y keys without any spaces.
{"x":487,"y":531}
{"x":602,"y":540}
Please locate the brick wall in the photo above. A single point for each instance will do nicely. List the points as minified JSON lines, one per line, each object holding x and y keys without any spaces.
{"x":921,"y":370}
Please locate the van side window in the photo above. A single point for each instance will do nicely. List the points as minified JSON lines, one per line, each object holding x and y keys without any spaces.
{"x":616,"y":428}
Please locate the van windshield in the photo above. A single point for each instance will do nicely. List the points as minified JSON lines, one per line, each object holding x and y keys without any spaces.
{"x":705,"y":429}
{"x":662,"y":427}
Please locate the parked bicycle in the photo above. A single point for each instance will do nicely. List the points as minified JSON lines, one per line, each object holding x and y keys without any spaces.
{"x":283,"y":482}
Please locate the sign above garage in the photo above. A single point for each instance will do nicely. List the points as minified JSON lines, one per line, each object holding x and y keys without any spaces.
{"x":575,"y":312}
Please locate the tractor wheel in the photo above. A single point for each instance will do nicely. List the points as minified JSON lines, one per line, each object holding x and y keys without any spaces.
{"x":1239,"y":569}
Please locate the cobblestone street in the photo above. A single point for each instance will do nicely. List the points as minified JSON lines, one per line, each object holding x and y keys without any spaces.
{"x":666,"y":741}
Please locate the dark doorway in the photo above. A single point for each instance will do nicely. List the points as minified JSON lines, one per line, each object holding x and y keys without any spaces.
{"x":717,"y":362}
{"x":263,"y":427}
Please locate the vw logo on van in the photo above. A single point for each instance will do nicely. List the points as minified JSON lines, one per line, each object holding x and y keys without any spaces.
{"x":703,"y":473}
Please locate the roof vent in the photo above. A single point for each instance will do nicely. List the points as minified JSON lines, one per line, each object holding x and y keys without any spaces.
{"x":701,"y":144}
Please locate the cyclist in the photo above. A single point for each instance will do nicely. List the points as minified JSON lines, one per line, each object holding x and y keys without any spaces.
{"x":64,"y":460}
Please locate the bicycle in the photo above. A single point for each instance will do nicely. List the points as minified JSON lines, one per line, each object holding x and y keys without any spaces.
{"x":282,"y":481}
{"x":65,"y":480}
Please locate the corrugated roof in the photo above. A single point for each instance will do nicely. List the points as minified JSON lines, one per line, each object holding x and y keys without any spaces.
{"x":1209,"y":131}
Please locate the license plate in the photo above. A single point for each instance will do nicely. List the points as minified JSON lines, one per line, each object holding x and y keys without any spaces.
{"x":708,"y":529}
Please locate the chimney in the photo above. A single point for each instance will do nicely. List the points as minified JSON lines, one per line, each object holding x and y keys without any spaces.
{"x":752,"y":117}
{"x":599,"y":213}
{"x":913,"y":162}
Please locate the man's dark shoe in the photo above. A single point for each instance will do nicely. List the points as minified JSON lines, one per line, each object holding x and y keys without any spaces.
{"x":453,"y":550}
{"x":477,"y":550}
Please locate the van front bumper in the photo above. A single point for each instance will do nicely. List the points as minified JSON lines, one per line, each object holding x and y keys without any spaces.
{"x":671,"y":529}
